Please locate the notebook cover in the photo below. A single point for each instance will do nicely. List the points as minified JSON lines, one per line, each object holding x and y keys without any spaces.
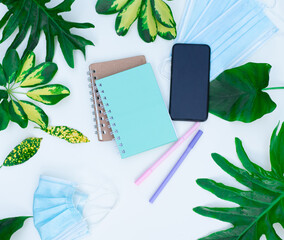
{"x":101,"y":70}
{"x":136,"y":111}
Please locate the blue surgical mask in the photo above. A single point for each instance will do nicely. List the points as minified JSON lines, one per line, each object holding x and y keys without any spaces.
{"x":192,"y":12}
{"x":233,"y":29}
{"x":213,"y":10}
{"x":59,"y":208}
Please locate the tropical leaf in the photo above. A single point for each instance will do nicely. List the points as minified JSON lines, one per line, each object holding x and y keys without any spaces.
{"x":26,"y":65}
{"x":49,"y":94}
{"x":147,"y":26}
{"x":277,"y":151}
{"x":9,"y":226}
{"x":11,"y":62}
{"x":4,"y":115}
{"x":35,"y":113}
{"x":3,"y":79}
{"x":127,"y":16}
{"x":35,"y":15}
{"x":18,"y":114}
{"x":110,"y":6}
{"x":3,"y":94}
{"x":237,"y":94}
{"x":69,"y":134}
{"x":259,"y":207}
{"x":165,"y":32}
{"x":154,"y":17}
{"x":41,"y":74}
{"x":23,"y":152}
{"x":163,"y":13}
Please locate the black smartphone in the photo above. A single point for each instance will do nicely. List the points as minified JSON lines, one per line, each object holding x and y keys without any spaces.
{"x":190,"y":75}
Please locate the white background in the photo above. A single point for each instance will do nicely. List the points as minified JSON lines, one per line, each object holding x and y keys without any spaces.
{"x":171,"y":217}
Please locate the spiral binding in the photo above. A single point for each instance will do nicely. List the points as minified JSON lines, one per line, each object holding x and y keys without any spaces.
{"x":94,"y":104}
{"x":113,"y":124}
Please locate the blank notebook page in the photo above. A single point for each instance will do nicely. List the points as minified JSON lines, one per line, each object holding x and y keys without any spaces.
{"x":136,"y":111}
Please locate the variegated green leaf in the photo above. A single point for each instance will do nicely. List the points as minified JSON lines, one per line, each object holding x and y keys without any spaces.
{"x":163,"y":13}
{"x":18,"y":114}
{"x":165,"y":32}
{"x":50,"y":94}
{"x":3,"y":79}
{"x":41,"y":74}
{"x":127,"y":16}
{"x":35,"y":113}
{"x":110,"y":6}
{"x":147,"y":26}
{"x":4,"y":115}
{"x":11,"y":63}
{"x":26,"y":65}
{"x":69,"y":134}
{"x":23,"y":152}
{"x":3,"y":94}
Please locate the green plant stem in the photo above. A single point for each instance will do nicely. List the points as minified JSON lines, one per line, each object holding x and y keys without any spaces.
{"x":14,"y":96}
{"x":14,"y":88}
{"x":273,"y":88}
{"x":1,"y":166}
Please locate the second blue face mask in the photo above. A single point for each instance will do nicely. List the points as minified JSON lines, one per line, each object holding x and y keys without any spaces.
{"x":233,"y":29}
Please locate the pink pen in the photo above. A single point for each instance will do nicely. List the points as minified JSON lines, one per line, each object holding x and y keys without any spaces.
{"x":148,"y":172}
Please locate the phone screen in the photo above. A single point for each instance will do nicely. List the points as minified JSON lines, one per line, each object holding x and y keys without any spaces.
{"x":190,"y":82}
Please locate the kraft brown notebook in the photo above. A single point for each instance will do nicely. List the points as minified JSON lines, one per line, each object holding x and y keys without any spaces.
{"x":101,"y":70}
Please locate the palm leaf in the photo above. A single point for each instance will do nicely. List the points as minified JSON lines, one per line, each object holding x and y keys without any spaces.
{"x":261,"y":206}
{"x":25,"y":14}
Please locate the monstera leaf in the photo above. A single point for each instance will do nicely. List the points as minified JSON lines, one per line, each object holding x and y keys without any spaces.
{"x":19,"y":75}
{"x":154,"y":17}
{"x":259,"y":207}
{"x":9,"y":226}
{"x":34,"y":15}
{"x":238,"y":94}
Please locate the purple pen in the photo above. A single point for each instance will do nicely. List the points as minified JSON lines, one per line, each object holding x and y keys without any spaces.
{"x":176,"y":166}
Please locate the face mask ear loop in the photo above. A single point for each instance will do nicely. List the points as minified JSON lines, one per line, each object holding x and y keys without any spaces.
{"x":162,"y":68}
{"x":270,"y":8}
{"x":115,"y":195}
{"x":273,"y":5}
{"x":105,"y":211}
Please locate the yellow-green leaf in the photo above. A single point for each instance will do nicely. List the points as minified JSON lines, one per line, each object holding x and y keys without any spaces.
{"x":18,"y":114}
{"x":163,"y":13}
{"x":165,"y":32}
{"x":50,"y":94}
{"x":26,"y":65}
{"x":110,"y":6}
{"x":40,"y":75}
{"x":69,"y":134}
{"x":147,"y":26}
{"x":127,"y":16}
{"x":35,"y":113}
{"x":23,"y":152}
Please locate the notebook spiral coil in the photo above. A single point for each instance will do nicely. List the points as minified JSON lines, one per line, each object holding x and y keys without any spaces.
{"x":102,"y":127}
{"x":112,"y":124}
{"x":93,"y":100}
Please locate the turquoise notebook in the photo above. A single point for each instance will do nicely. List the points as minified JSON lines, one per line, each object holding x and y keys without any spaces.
{"x":136,"y":111}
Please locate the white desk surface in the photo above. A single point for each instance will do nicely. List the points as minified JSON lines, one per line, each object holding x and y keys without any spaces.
{"x":171,"y":217}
